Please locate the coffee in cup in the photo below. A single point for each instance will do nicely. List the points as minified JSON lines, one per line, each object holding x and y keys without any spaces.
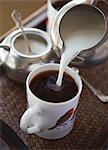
{"x":44,"y":87}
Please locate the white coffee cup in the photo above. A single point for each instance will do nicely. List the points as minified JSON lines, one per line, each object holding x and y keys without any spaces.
{"x":42,"y":117}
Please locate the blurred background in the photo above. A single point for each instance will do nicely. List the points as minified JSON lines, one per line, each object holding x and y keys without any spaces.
{"x":26,"y":7}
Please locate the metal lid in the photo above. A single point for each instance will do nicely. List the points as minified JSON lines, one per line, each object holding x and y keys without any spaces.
{"x":9,"y":42}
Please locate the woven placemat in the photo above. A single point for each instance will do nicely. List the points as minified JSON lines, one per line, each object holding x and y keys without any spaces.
{"x":91,"y":126}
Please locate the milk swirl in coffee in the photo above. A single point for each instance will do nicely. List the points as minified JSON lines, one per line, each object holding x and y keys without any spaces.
{"x":80,"y":29}
{"x":44,"y":87}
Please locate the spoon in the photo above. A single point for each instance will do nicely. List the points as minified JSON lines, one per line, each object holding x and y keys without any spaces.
{"x":98,"y":93}
{"x":16,"y":16}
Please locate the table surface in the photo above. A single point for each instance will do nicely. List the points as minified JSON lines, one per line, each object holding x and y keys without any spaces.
{"x":91,"y":126}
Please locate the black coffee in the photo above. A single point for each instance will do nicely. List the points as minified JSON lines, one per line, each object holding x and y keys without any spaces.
{"x":44,"y":87}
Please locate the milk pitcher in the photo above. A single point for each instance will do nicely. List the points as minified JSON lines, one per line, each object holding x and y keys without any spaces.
{"x":72,"y":16}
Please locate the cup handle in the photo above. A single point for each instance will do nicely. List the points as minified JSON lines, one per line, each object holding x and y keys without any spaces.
{"x":26,"y":117}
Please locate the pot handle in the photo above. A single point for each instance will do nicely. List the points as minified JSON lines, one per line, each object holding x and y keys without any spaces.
{"x":26,"y":118}
{"x":7,"y":49}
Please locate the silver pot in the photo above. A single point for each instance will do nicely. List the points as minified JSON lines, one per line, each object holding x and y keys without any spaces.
{"x":14,"y":58}
{"x":55,"y":5}
{"x":89,"y":57}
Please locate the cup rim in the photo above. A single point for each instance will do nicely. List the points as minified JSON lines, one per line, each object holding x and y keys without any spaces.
{"x":72,"y":73}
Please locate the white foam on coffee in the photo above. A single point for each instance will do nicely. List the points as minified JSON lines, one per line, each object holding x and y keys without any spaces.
{"x":80,"y":30}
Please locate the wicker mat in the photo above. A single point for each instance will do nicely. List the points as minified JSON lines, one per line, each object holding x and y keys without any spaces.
{"x":91,"y":126}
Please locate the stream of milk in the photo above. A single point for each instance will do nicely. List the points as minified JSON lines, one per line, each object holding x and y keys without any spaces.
{"x":80,"y":30}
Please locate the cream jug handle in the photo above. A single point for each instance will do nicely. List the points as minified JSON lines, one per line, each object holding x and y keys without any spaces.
{"x":91,"y":1}
{"x":26,"y":118}
{"x":76,"y":70}
{"x":85,"y":1}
